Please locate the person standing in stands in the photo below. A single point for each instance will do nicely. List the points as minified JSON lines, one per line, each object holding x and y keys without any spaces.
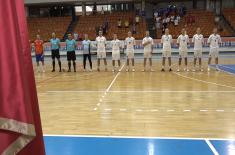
{"x":71,"y":56}
{"x":86,"y":44}
{"x":55,"y":51}
{"x":38,"y":46}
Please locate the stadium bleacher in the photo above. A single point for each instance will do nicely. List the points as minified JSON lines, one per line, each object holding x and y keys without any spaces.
{"x":46,"y":25}
{"x":88,"y":24}
{"x":203,"y":19}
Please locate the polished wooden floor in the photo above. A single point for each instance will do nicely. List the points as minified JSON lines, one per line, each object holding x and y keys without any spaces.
{"x":184,"y":104}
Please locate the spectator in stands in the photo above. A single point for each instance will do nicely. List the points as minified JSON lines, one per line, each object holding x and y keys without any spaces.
{"x":134,"y":29}
{"x":75,"y":36}
{"x":164,"y":23}
{"x":102,"y":11}
{"x":126,"y":24}
{"x":119,"y":23}
{"x":176,"y":21}
{"x":168,"y":19}
{"x":172,"y":18}
{"x":137,"y":19}
{"x":158,"y":22}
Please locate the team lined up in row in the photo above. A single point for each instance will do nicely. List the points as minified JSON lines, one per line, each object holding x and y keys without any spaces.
{"x":183,"y":40}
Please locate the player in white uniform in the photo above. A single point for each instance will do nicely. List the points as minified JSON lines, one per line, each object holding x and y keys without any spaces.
{"x":129,"y":44}
{"x":214,"y":40}
{"x":101,"y":52}
{"x":116,"y":44}
{"x":183,"y":41}
{"x":198,"y":41}
{"x":148,"y":49}
{"x":166,"y":51}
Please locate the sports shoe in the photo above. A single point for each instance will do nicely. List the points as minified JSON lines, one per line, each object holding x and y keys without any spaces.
{"x":201,"y":70}
{"x":178,"y":70}
{"x":194,"y":70}
{"x":127,"y":70}
{"x":163,"y":70}
{"x":208,"y":69}
{"x":133,"y":69}
{"x":170,"y":70}
{"x":151,"y":70}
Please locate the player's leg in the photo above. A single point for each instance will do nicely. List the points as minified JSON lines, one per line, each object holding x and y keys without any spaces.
{"x":133,"y":64}
{"x":186,"y":63}
{"x":169,"y":63}
{"x":200,"y":64}
{"x":84,"y":61}
{"x":42,"y":61}
{"x":58,"y":59}
{"x":194,"y":61}
{"x":209,"y":60}
{"x":216,"y":63}
{"x":53,"y":60}
{"x":74,"y":60}
{"x":127,"y":64}
{"x":38,"y":64}
{"x":180,"y":61}
{"x":105,"y":63}
{"x":145,"y":60}
{"x":119,"y":65}
{"x":151,"y":64}
{"x":163,"y":63}
{"x":90,"y":62}
{"x":98,"y":64}
{"x":113,"y":62}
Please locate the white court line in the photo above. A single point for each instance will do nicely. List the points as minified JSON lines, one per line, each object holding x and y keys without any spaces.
{"x":107,"y":90}
{"x":203,"y":110}
{"x":204,"y":81}
{"x":138,"y":137}
{"x":145,"y":91}
{"x":108,"y":109}
{"x":170,"y":110}
{"x":211,"y":147}
{"x":220,"y":110}
{"x":187,"y":110}
{"x":154,"y":110}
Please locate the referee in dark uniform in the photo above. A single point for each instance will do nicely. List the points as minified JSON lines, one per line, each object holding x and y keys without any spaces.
{"x":55,"y":51}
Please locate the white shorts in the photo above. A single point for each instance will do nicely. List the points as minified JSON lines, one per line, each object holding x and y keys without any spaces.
{"x":197,"y":53}
{"x":147,"y":54}
{"x":115,"y":55}
{"x":130,"y":54}
{"x":183,"y":53}
{"x":214,"y":52}
{"x":166,"y":54}
{"x":101,"y":54}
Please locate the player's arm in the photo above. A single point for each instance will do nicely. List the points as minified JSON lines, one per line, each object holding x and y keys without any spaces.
{"x":145,"y":42}
{"x":178,"y":41}
{"x":209,"y":40}
{"x":220,"y":40}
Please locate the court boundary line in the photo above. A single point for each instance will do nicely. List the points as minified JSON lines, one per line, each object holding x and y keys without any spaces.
{"x":225,"y":70}
{"x":138,"y":137}
{"x":195,"y":79}
{"x":144,"y":91}
{"x":211,"y":147}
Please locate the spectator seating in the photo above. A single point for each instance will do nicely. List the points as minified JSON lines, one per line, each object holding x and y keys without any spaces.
{"x":46,"y":25}
{"x":87,"y":24}
{"x":229,"y":14}
{"x":203,"y":19}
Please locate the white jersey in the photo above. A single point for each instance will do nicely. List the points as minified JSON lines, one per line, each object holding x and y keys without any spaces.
{"x":130,"y":43}
{"x":116,"y":44}
{"x":183,"y":41}
{"x":198,"y":41}
{"x":214,"y":40}
{"x":148,"y":47}
{"x":100,"y":42}
{"x":166,"y":41}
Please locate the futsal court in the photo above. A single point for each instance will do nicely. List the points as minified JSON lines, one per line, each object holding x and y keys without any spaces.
{"x":138,"y":113}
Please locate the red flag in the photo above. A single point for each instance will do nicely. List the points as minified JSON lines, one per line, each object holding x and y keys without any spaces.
{"x":20,"y":124}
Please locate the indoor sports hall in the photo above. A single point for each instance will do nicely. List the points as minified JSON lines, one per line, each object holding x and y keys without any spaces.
{"x":118,"y":77}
